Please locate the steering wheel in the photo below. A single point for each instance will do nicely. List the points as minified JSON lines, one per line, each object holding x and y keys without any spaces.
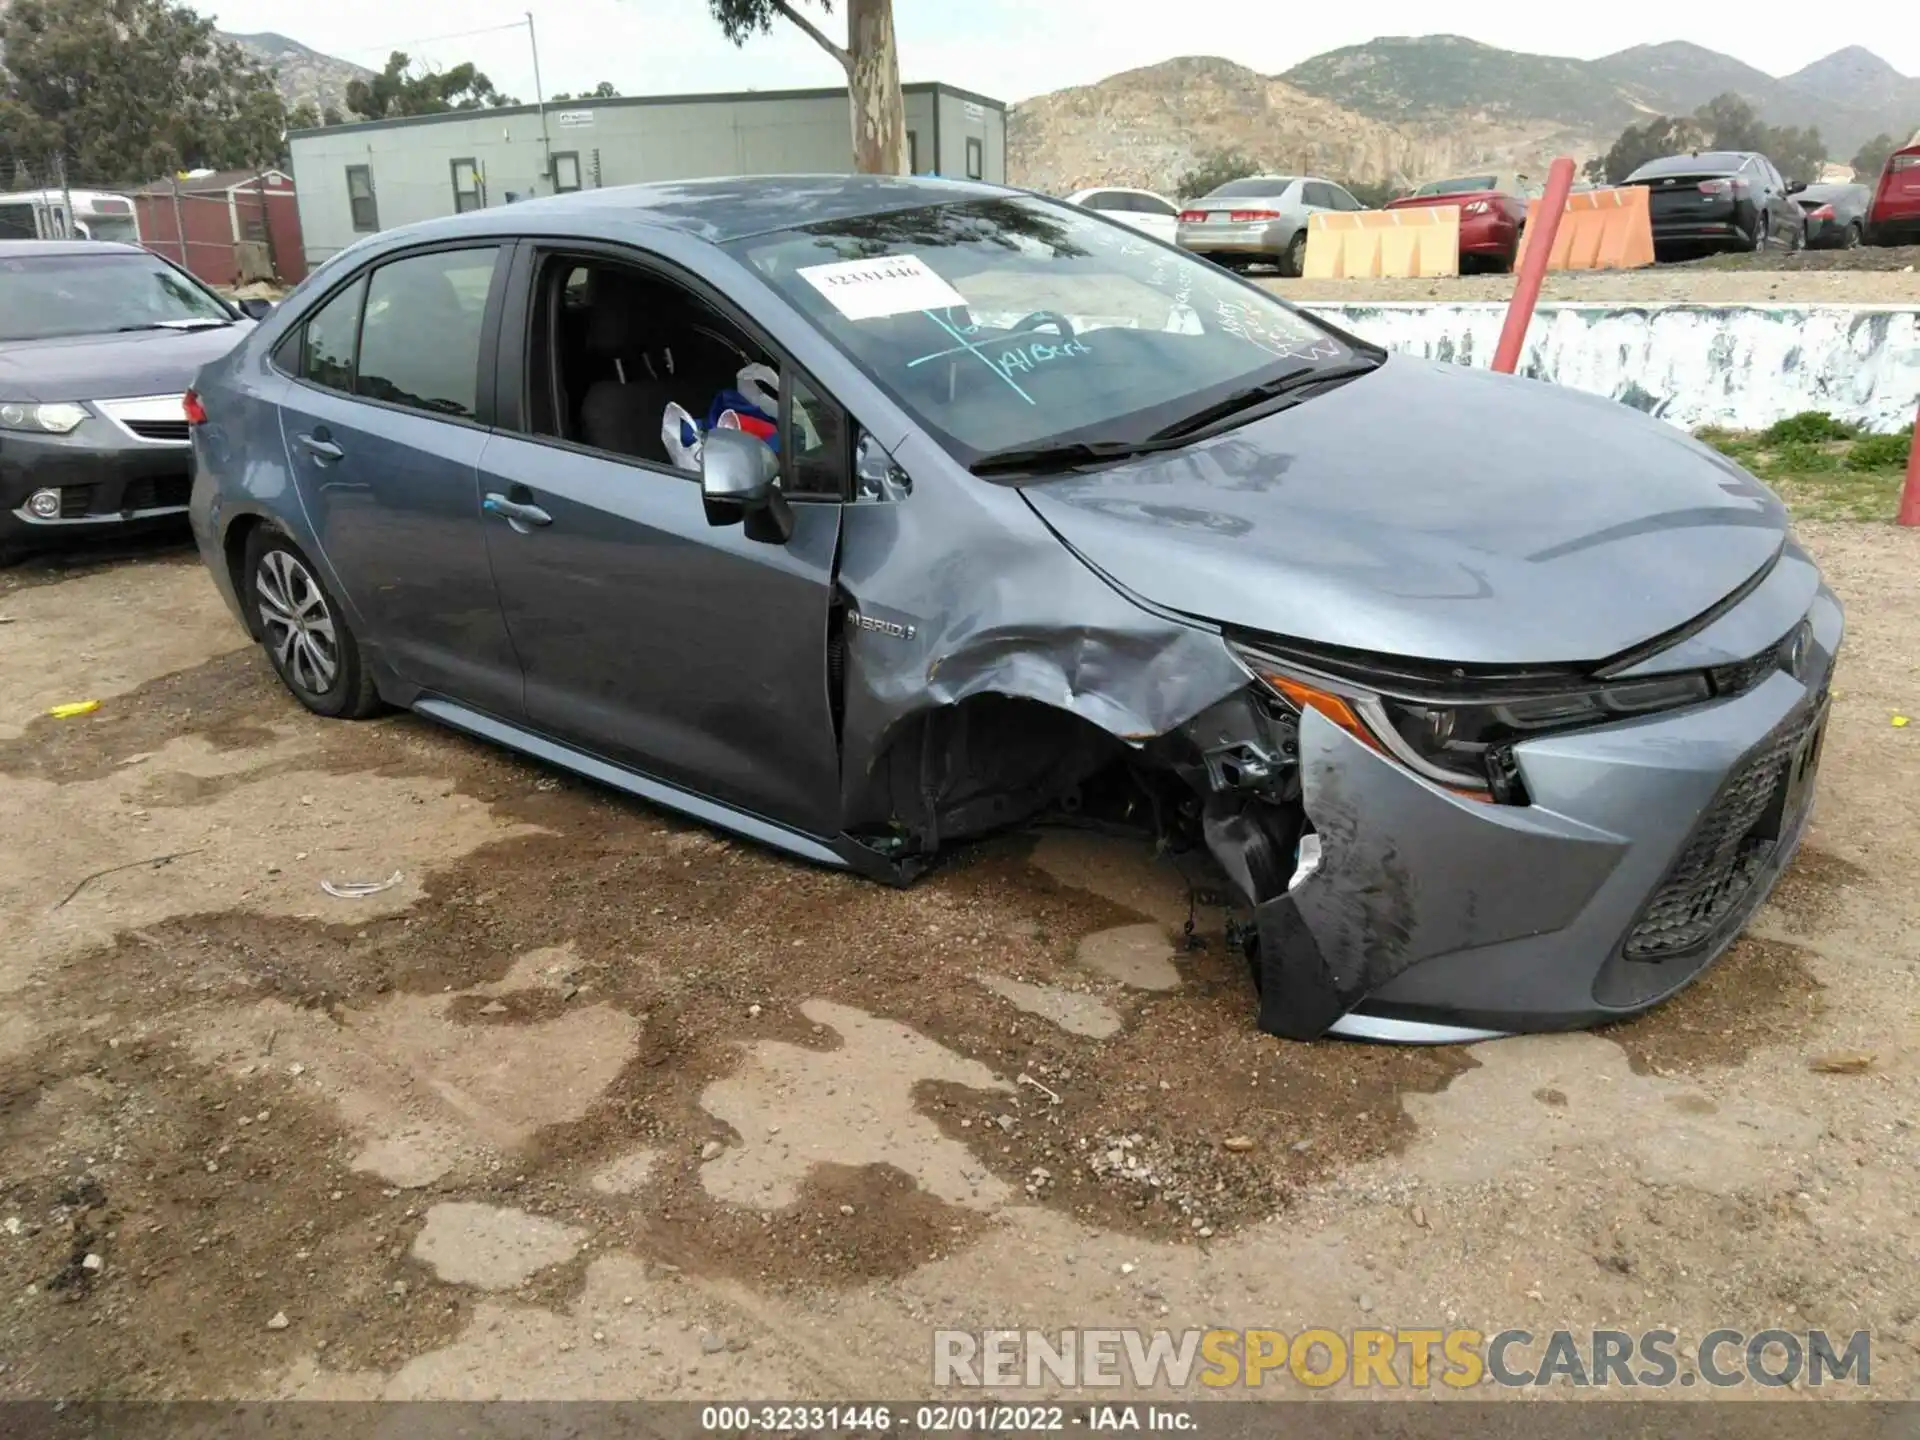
{"x":1040,"y":318}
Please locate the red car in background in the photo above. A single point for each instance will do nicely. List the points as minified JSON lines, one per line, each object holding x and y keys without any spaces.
{"x":1493,"y":211}
{"x":1895,"y":217}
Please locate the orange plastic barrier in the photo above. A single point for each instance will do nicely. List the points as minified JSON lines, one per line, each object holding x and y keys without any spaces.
{"x":1376,"y":244}
{"x":1601,"y":230}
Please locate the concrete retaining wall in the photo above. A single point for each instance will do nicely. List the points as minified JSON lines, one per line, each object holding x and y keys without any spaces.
{"x":1740,"y":366}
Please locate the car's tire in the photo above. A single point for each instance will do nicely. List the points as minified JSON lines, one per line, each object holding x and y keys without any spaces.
{"x":1762,"y":233}
{"x":1856,"y":236}
{"x":303,"y":630}
{"x":1293,"y":261}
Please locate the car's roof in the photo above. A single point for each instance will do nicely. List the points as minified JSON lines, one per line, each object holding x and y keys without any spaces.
{"x":1696,"y":161}
{"x":721,"y":209}
{"x":14,"y":249}
{"x":1836,"y":187}
{"x":1117,"y":190}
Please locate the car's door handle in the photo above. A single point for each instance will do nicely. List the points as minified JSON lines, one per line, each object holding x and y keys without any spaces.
{"x":515,"y":512}
{"x":321,"y":446}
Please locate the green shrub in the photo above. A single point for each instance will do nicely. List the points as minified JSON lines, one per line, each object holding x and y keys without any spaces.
{"x":1880,"y":452}
{"x":1809,"y":427}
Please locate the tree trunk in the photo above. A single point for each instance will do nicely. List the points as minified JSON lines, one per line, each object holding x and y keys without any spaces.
{"x":873,"y":89}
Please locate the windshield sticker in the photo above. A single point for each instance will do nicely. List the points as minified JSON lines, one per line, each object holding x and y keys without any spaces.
{"x":891,"y":285}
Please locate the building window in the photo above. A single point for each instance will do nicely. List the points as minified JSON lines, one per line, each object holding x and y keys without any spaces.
{"x":913,"y":153}
{"x":566,"y":171}
{"x":976,"y":158}
{"x":467,"y":193}
{"x":366,"y":214}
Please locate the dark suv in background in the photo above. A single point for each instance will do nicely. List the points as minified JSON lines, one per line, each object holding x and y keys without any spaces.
{"x":1721,"y":200}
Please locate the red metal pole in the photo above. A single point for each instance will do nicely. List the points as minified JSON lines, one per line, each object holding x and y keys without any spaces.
{"x":1544,"y":226}
{"x":1910,"y":495}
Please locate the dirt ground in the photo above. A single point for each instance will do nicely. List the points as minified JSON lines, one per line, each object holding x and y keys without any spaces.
{"x":1869,"y":276}
{"x":594,"y":1103}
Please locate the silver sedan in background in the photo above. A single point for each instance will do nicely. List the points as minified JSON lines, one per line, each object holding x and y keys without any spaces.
{"x":1261,"y":220}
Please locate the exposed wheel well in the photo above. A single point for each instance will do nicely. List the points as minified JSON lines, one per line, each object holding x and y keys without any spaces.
{"x":234,"y":546}
{"x":983,"y":764}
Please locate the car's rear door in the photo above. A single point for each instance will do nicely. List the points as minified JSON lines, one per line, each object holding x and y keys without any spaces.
{"x":383,"y":428}
{"x":649,"y":637}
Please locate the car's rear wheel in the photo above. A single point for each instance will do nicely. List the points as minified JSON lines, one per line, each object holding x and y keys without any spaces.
{"x":1856,"y":236}
{"x":305,"y":635}
{"x":1294,"y":261}
{"x":1762,"y":233}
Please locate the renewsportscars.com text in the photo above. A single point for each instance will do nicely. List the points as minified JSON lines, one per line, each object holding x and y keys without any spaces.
{"x":1412,"y":1358}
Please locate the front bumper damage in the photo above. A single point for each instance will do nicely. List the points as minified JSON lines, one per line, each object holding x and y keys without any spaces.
{"x":1645,"y":847}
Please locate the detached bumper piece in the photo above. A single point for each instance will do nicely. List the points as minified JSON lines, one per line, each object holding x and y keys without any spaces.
{"x":1407,"y":872}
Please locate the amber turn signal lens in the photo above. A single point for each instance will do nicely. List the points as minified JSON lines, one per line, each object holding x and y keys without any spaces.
{"x":1333,"y":707}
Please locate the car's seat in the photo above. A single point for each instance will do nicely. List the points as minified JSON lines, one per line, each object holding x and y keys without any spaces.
{"x":622,"y":411}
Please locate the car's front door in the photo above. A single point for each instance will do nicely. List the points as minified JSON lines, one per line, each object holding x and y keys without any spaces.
{"x":383,"y":430}
{"x":650,"y":637}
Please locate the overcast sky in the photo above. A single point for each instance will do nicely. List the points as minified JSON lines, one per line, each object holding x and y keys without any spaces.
{"x":1012,"y":49}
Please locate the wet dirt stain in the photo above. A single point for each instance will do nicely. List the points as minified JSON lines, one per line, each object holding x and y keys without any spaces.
{"x":213,"y":1204}
{"x":1813,"y":887}
{"x":1759,"y":993}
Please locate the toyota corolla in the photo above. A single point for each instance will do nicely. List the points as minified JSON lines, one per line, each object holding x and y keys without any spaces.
{"x":862,"y":516}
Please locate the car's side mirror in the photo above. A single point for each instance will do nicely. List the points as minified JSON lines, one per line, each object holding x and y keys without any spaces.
{"x":254,"y":307}
{"x":1794,"y":187}
{"x":738,"y":472}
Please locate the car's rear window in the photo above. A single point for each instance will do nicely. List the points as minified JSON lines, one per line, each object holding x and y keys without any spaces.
{"x":1003,"y":323}
{"x":1460,"y":186}
{"x":1253,"y":185}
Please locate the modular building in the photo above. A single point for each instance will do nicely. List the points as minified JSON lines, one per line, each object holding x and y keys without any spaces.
{"x":355,"y":179}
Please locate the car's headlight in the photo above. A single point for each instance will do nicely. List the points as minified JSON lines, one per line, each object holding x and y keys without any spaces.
{"x":1467,"y":745}
{"x":45,"y":419}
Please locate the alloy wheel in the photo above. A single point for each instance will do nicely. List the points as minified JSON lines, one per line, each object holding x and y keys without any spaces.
{"x":298,"y":624}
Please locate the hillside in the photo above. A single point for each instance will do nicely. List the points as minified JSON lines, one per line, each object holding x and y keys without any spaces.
{"x":1401,"y":77}
{"x":1149,"y":126}
{"x":1850,"y":95}
{"x":303,"y":74}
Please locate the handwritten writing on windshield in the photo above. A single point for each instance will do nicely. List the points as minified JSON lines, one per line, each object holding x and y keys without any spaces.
{"x":1287,"y":343}
{"x":1029,"y":357}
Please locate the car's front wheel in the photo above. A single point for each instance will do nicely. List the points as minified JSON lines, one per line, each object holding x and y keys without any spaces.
{"x":306,"y":637}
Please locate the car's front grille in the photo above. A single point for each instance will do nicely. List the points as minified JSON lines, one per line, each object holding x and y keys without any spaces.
{"x":168,"y":490}
{"x":173,"y":431}
{"x":1729,"y":849}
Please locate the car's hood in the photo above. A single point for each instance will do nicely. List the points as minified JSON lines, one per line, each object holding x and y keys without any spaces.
{"x":1432,"y":511}
{"x":107,"y":367}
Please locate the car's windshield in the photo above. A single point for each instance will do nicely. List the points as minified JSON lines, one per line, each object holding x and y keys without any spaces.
{"x":43,"y":297}
{"x":1007,"y":322}
{"x":1254,"y":185}
{"x":1461,"y":186}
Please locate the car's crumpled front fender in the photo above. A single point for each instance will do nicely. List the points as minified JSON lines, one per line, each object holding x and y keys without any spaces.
{"x":1407,"y":871}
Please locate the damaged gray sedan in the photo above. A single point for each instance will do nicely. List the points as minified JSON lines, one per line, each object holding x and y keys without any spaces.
{"x":863,"y":516}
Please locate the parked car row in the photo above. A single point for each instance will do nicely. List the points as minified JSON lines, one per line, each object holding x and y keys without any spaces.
{"x":1262,"y":219}
{"x":1703,"y":200}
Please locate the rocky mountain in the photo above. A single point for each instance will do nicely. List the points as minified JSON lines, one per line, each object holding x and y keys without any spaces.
{"x":1148,"y":127}
{"x":303,"y":74}
{"x":1850,"y":95}
{"x":1410,"y":77}
{"x":1862,"y":78}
